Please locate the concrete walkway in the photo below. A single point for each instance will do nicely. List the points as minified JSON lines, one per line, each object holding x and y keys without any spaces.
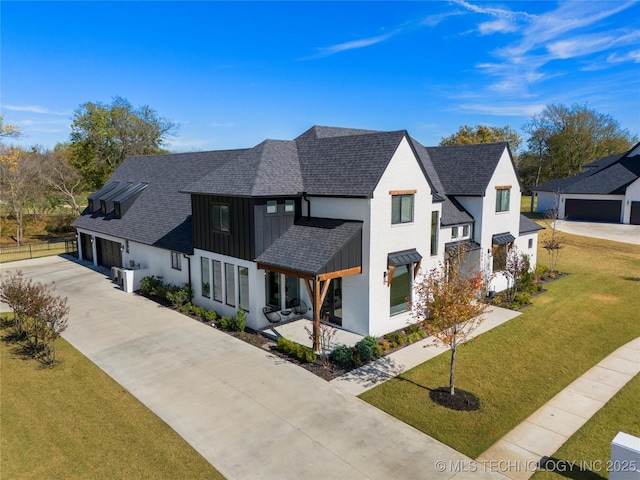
{"x":368,"y":376}
{"x":249,"y":413}
{"x":616,"y":232}
{"x":553,"y":424}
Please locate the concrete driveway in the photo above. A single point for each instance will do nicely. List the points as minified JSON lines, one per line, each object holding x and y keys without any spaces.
{"x":608,"y":231}
{"x":249,"y":413}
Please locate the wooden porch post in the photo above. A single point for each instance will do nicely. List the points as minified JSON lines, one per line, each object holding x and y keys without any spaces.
{"x":317,"y":303}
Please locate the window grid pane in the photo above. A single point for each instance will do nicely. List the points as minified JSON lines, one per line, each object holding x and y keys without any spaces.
{"x":206,"y":277}
{"x":243,"y":285}
{"x":272,"y":206}
{"x":230,"y":282}
{"x":289,"y":206}
{"x":217,"y":280}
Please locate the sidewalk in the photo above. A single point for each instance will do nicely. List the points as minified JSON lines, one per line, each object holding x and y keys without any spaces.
{"x":368,"y":376}
{"x":553,"y":424}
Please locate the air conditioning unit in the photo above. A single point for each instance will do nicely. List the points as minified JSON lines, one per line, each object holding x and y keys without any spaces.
{"x":115,"y":273}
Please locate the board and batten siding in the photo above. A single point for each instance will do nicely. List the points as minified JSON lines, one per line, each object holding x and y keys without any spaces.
{"x":239,"y":241}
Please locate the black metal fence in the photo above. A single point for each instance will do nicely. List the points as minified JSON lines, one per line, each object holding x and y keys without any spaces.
{"x":35,"y":250}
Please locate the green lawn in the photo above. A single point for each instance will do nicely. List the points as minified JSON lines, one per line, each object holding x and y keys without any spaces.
{"x":516,"y":368}
{"x":75,"y":422}
{"x":589,"y":449}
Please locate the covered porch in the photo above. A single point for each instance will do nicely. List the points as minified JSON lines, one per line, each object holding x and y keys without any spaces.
{"x":297,"y":331}
{"x":320,"y":252}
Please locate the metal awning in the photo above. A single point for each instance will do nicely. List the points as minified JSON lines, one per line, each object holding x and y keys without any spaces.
{"x":403,"y":257}
{"x":468,"y":245}
{"x":502,"y":238}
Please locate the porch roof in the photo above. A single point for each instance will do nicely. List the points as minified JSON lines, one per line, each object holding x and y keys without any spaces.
{"x":469,"y":246}
{"x":502,"y":238}
{"x":316,"y":247}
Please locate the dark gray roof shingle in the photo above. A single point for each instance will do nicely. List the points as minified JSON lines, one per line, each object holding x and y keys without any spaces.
{"x":466,"y":169}
{"x":528,"y":226}
{"x":609,"y":175}
{"x":453,"y":213}
{"x":269,"y":169}
{"x":160,"y":214}
{"x":311,"y":245}
{"x":347,"y":165}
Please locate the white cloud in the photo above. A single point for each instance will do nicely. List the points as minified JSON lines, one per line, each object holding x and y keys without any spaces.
{"x":33,"y":109}
{"x":355,"y":44}
{"x":507,"y":110}
{"x":497,"y":26}
{"x":633,"y":56}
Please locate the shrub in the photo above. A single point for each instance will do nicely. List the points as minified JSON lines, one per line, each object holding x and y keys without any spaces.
{"x":240,"y":319}
{"x":384,"y":343}
{"x":227,"y":323}
{"x":152,"y":285}
{"x":186,"y":308}
{"x":377,"y":350}
{"x":342,"y":355}
{"x":393,"y":337}
{"x":364,"y":350}
{"x":198,"y":311}
{"x":210,"y":316}
{"x":302,"y":353}
{"x":178,"y":296}
{"x":414,"y":337}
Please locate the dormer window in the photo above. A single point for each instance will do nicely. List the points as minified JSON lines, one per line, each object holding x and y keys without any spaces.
{"x":117,"y":210}
{"x":103,"y":207}
{"x":272,"y":207}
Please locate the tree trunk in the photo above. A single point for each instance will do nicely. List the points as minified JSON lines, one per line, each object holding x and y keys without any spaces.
{"x":452,"y":374}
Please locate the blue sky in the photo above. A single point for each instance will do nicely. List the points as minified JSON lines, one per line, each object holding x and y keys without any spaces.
{"x":233,"y":74}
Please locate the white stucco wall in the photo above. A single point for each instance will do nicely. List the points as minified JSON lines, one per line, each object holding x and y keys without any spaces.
{"x":632,"y":195}
{"x":403,"y":173}
{"x":157,"y":261}
{"x":546,"y":201}
{"x":254,"y":316}
{"x":522,"y":243}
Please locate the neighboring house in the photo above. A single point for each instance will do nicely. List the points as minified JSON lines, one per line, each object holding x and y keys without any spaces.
{"x":340,"y":220}
{"x":607,"y":191}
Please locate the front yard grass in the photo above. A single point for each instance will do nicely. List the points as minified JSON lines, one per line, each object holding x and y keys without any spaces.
{"x":74,"y":421}
{"x":589,"y":449}
{"x":514,"y":369}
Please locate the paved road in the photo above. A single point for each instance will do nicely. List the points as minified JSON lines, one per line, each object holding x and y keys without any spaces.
{"x":608,"y":231}
{"x":251,"y":414}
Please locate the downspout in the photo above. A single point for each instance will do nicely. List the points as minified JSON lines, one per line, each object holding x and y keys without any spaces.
{"x":189,"y":273}
{"x":306,"y":199}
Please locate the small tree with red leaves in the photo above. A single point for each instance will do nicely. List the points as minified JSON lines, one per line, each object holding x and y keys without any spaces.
{"x":448,"y":300}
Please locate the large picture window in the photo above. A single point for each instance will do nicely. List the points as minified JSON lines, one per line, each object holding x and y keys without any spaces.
{"x":220,"y":217}
{"x":206,"y":277}
{"x":217,"y":281}
{"x":243,"y":288}
{"x":230,"y":282}
{"x":400,"y":289}
{"x":502,"y":199}
{"x":401,"y":209}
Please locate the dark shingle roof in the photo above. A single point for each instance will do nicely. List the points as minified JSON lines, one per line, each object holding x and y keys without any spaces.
{"x":528,"y":226}
{"x":453,"y":213}
{"x":609,"y":175}
{"x":454,"y":164}
{"x":271,"y":168}
{"x":348,"y":165}
{"x":160,"y":214}
{"x":311,"y":245}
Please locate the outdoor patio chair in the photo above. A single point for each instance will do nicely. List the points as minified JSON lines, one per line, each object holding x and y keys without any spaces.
{"x":272,"y":314}
{"x":298,"y":307}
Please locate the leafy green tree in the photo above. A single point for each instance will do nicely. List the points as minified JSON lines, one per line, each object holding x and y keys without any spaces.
{"x":102,"y":136}
{"x":564,"y":139}
{"x":467,"y":135}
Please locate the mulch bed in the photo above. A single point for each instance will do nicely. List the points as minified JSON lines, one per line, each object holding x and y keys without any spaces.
{"x":461,"y":400}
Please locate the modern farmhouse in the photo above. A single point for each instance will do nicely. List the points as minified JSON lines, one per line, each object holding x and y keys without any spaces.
{"x":608,"y":190}
{"x":337,"y":222}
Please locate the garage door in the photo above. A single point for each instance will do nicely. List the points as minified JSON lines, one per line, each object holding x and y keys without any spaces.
{"x":593,"y":210}
{"x":109,"y":253}
{"x":635,"y":213}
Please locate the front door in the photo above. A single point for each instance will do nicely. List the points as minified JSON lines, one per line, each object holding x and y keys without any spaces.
{"x":332,"y":306}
